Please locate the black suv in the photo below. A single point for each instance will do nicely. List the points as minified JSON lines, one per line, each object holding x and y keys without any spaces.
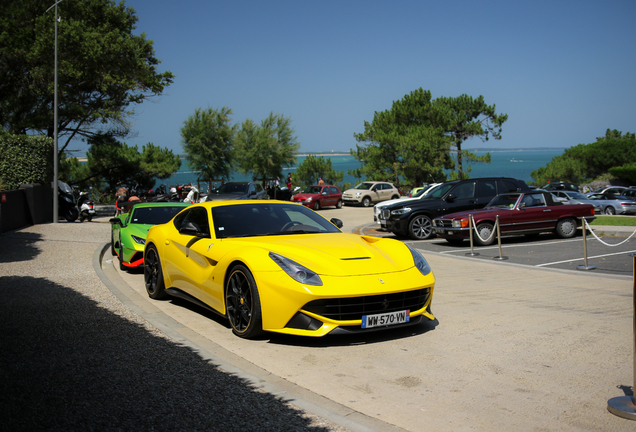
{"x":414,"y":218}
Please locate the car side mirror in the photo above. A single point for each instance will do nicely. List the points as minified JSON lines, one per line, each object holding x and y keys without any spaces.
{"x":451,"y":197}
{"x":116,"y":221}
{"x":337,"y":222}
{"x":191,"y":229}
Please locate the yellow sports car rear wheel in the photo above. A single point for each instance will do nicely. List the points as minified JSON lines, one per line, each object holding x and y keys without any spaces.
{"x":153,"y":275}
{"x":243,"y":303}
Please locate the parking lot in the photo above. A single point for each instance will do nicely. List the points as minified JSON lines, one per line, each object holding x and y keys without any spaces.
{"x":611,"y":255}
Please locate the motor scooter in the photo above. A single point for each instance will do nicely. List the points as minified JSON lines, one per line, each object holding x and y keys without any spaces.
{"x":66,"y":202}
{"x":86,"y":207}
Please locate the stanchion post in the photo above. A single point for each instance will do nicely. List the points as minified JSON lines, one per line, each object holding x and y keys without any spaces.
{"x":584,"y":227}
{"x":623,"y":406}
{"x":500,"y":257}
{"x":470,"y":235}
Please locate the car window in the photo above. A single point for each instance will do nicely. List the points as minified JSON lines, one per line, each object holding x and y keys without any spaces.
{"x":333,"y":189}
{"x":258,"y":187}
{"x":486,"y":188}
{"x":439,"y":191}
{"x":198,"y":216}
{"x":232,"y":188}
{"x":533,"y":200}
{"x":365,"y":186}
{"x":465,"y":190}
{"x":506,"y":186}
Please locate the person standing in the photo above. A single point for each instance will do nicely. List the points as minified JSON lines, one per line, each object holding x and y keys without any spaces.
{"x":288,"y":181}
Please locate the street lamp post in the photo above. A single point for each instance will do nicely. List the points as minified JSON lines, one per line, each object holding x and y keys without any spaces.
{"x":55,"y":162}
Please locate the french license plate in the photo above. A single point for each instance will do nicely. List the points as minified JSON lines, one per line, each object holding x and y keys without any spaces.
{"x":386,"y":319}
{"x":439,"y":230}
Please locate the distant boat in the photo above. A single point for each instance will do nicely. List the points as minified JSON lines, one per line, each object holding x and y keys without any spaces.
{"x":515,"y":160}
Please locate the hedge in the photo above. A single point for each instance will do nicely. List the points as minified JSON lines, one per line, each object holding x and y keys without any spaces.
{"x":25,"y":159}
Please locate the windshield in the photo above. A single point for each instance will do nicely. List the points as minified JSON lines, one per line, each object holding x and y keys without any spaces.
{"x":256,"y":219}
{"x":503,"y":201}
{"x":232,"y":188}
{"x":439,"y":191}
{"x":312,"y":189}
{"x":364,"y":186}
{"x":576,"y":195}
{"x":64,"y":187}
{"x":154,"y":215}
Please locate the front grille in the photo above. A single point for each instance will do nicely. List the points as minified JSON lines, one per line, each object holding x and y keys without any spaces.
{"x":443,"y":223}
{"x":353,"y":308}
{"x":386,"y":214}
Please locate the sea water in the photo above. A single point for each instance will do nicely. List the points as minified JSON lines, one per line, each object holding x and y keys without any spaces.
{"x":504,"y":163}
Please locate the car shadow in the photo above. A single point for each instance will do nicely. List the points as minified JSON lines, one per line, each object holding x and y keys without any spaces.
{"x":354,"y":339}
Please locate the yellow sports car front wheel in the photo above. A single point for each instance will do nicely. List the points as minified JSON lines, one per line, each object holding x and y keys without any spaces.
{"x":243,"y":303}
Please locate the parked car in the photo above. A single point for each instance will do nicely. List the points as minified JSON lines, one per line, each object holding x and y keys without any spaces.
{"x":238,"y":190}
{"x":561,"y":185}
{"x":616,"y":205}
{"x":129,"y":230}
{"x":370,"y":192}
{"x":242,"y":260}
{"x":415,"y":218}
{"x":571,"y":197}
{"x":519,"y":213}
{"x":629,"y":193}
{"x":319,"y":196}
{"x":421,"y":193}
{"x":608,"y":190}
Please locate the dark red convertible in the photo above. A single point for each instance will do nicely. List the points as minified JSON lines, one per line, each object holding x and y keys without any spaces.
{"x":527,"y":213}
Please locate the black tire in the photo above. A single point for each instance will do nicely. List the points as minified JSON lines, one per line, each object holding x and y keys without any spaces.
{"x":485,"y":230}
{"x":421,"y":228}
{"x":339,"y":204}
{"x":610,"y":211}
{"x":242,"y":303}
{"x":112,"y":245}
{"x":122,"y":267}
{"x":366,"y":201}
{"x":395,"y":197}
{"x":566,"y":228}
{"x":81,"y":217}
{"x":71,"y":214}
{"x":153,"y":274}
{"x":317,"y":205}
{"x":89,"y":218}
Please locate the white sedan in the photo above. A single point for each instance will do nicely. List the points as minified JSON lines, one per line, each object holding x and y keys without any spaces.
{"x":377,"y":209}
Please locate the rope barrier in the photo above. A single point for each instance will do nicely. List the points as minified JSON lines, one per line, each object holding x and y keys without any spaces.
{"x":477,"y":232}
{"x":606,"y":244}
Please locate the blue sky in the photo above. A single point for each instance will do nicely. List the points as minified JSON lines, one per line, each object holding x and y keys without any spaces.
{"x":564,"y":71}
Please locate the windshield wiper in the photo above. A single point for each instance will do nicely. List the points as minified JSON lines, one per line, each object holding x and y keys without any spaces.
{"x":293,"y":232}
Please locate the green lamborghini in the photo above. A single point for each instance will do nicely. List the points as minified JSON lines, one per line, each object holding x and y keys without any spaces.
{"x":129,"y":230}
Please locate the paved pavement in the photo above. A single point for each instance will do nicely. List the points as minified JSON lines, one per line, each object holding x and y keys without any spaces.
{"x":513,"y":347}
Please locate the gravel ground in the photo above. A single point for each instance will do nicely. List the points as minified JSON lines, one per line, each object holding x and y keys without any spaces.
{"x":73,"y":357}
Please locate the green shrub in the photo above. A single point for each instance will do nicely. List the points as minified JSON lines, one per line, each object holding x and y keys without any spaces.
{"x":25,"y":159}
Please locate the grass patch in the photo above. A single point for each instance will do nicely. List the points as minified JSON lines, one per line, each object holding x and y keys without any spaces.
{"x":614,"y":221}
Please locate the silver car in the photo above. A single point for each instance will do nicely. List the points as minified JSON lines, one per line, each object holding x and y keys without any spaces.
{"x":616,"y":205}
{"x":571,"y":197}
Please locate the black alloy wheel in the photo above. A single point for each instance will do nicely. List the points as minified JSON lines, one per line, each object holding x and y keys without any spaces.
{"x":122,"y":267}
{"x":153,"y":275}
{"x":421,"y":228}
{"x":242,"y":303}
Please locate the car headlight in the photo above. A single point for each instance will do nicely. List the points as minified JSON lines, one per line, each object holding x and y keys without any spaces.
{"x":138,"y":240}
{"x":420,"y":262}
{"x":297,"y":272}
{"x":401,"y":211}
{"x":310,"y":199}
{"x":358,"y":194}
{"x":463,"y":223}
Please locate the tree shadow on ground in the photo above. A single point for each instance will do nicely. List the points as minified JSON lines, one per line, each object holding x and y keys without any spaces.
{"x":68,"y":364}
